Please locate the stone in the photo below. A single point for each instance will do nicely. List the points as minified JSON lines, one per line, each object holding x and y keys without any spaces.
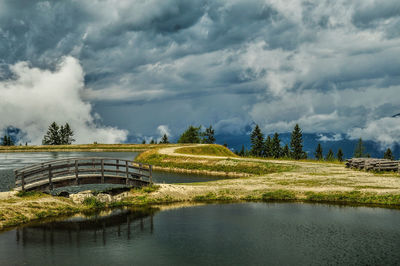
{"x":80,"y":196}
{"x":106,"y":198}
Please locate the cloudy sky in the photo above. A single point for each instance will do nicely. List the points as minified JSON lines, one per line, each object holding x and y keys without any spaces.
{"x":124,"y":70}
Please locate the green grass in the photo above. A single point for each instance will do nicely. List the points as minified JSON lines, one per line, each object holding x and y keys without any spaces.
{"x":93,"y":203}
{"x":218,"y":165}
{"x":30,"y":194}
{"x":280,"y":194}
{"x":212,"y":197}
{"x":212,"y":149}
{"x":354,"y":197}
{"x":82,"y":147}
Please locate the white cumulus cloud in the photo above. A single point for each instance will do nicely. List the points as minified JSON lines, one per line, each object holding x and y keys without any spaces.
{"x":34,"y":98}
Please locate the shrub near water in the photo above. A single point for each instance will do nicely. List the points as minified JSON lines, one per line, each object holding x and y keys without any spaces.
{"x":93,"y":203}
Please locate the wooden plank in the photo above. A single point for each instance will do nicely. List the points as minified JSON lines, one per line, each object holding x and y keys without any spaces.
{"x":50,"y":177}
{"x":127,"y":172}
{"x":151,"y":174}
{"x":102,"y":171}
{"x":76,"y":173}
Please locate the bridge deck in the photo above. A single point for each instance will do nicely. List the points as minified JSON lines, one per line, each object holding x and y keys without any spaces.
{"x":76,"y":171}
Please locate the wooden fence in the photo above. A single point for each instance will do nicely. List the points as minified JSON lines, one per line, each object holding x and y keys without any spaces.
{"x":87,"y":170}
{"x":372,"y":164}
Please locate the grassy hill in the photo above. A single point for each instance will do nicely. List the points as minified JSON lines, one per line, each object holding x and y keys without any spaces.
{"x":212,"y":149}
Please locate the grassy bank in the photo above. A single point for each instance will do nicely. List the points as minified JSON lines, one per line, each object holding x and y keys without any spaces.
{"x":83,"y":147}
{"x":31,"y":207}
{"x":223,"y":167}
{"x":212,"y":149}
{"x":265,"y":180}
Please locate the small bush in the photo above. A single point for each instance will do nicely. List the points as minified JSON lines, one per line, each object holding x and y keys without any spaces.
{"x":94,"y":203}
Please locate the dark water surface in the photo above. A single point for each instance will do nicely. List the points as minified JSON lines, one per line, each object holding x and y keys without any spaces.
{"x":228,"y":234}
{"x":11,"y":161}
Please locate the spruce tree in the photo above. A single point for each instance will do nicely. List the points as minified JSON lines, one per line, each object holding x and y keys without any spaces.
{"x":296,"y":144}
{"x":152,"y":141}
{"x":5,"y":140}
{"x":241,"y":153}
{"x":191,"y":135}
{"x":339,"y":155}
{"x":318,"y":152}
{"x":66,"y":135}
{"x":359,"y":150}
{"x":330,"y":156}
{"x":52,"y":136}
{"x":164,"y":139}
{"x":143,"y":141}
{"x":257,"y":141}
{"x":208,"y":136}
{"x":267,"y":149}
{"x":276,"y":146}
{"x":286,"y":151}
{"x":388,"y":154}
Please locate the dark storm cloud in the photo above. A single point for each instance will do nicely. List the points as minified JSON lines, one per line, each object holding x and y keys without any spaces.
{"x":319,"y":63}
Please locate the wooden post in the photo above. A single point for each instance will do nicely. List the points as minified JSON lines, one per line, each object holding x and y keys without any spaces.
{"x":22,"y":182}
{"x":50,"y":177}
{"x":398,"y":167}
{"x":76,"y":173}
{"x":102,"y":171}
{"x":127,"y":173}
{"x":151,"y":174}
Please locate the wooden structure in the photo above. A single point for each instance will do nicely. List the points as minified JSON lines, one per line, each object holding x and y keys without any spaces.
{"x":87,"y":170}
{"x":372,"y":164}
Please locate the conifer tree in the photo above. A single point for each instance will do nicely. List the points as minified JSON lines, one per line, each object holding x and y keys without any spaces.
{"x":359,"y":150}
{"x":191,"y":135}
{"x":208,"y":136}
{"x":388,"y":154}
{"x":296,"y":144}
{"x":257,"y":141}
{"x":330,"y":156}
{"x":66,"y":134}
{"x":267,"y":152}
{"x":339,"y":155}
{"x":52,"y":136}
{"x":241,"y":153}
{"x":286,"y":151}
{"x":143,"y":141}
{"x":164,"y":139}
{"x":318,"y":152}
{"x":152,"y":141}
{"x":276,"y":146}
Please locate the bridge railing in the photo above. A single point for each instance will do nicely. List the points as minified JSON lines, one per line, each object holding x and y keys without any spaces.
{"x":82,"y":167}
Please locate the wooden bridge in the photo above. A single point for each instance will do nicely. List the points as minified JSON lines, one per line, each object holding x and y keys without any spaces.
{"x":87,"y":170}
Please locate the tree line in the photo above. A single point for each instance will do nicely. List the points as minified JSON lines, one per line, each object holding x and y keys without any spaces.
{"x":7,"y":141}
{"x":271,"y":147}
{"x":58,"y":135}
{"x":191,"y":135}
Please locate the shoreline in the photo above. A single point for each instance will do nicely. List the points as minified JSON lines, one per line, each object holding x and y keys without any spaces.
{"x":44,"y":207}
{"x":281,"y":181}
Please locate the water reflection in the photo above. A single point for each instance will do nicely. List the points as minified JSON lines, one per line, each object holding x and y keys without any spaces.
{"x":117,"y":224}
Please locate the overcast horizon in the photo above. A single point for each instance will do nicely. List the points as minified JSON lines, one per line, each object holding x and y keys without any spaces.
{"x":131,"y":70}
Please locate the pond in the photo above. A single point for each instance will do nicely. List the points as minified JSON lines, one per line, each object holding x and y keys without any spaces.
{"x":11,"y":161}
{"x":224,"y":234}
